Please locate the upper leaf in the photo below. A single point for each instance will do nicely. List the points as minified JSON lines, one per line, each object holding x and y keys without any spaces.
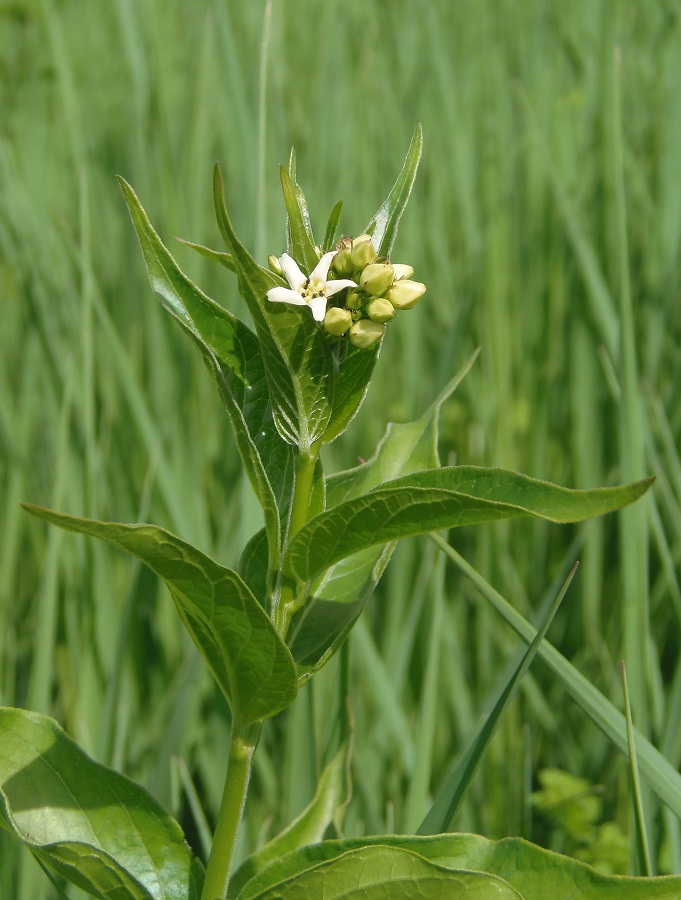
{"x":95,"y":827}
{"x":301,"y":242}
{"x":231,"y":630}
{"x":441,"y":498}
{"x":298,"y":361}
{"x":356,"y":367}
{"x":232,"y":353}
{"x":383,"y":226}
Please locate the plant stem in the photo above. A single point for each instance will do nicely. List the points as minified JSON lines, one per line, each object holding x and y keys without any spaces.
{"x":241,"y":750}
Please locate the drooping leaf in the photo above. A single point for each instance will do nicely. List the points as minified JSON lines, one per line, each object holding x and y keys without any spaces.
{"x":298,"y":361}
{"x":232,"y":354}
{"x":231,"y":630}
{"x":383,"y":226}
{"x":533,"y":873}
{"x":380,"y":872}
{"x":441,"y":498}
{"x":224,"y":259}
{"x":333,"y":792}
{"x":90,"y":824}
{"x":299,"y":230}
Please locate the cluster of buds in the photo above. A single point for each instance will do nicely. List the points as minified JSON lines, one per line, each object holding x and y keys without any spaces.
{"x":380,"y":290}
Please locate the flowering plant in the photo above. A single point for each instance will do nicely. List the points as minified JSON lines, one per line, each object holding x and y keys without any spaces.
{"x":265,"y":627}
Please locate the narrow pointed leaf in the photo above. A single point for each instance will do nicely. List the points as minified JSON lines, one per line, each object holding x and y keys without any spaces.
{"x":383,"y":226}
{"x":447,"y":804}
{"x":299,"y":230}
{"x":297,"y":358}
{"x":380,"y":872}
{"x":332,"y":227}
{"x":231,"y":630}
{"x":90,"y":824}
{"x":441,"y":498}
{"x":232,"y":354}
{"x":224,"y":259}
{"x":534,"y":873}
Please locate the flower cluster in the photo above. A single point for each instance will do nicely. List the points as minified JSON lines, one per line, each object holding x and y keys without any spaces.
{"x":376,"y":290}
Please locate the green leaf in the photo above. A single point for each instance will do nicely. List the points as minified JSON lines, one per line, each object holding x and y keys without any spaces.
{"x":231,"y":630}
{"x":332,"y":227}
{"x":441,"y":498}
{"x":352,"y":383}
{"x":298,"y":361}
{"x":532,"y":872}
{"x":447,"y":804}
{"x":90,"y":824}
{"x":301,"y":242}
{"x":379,"y":872}
{"x":253,"y":566}
{"x":383,"y":226}
{"x":232,"y":354}
{"x":224,"y":259}
{"x":333,"y":792}
{"x":319,"y":629}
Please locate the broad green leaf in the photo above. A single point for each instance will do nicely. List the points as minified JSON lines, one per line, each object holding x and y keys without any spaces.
{"x":253,"y":566}
{"x":92,"y":825}
{"x":352,"y":383}
{"x":300,"y":233}
{"x":534,"y":873}
{"x":232,"y":354}
{"x":658,"y":772}
{"x":448,"y":802}
{"x":333,"y":792}
{"x":231,"y":630}
{"x":383,"y":226}
{"x":332,"y":227}
{"x":380,"y":872}
{"x":324,"y":623}
{"x":298,"y":361}
{"x":224,"y":259}
{"x":441,"y":498}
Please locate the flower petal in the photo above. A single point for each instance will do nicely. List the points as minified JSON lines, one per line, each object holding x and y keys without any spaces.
{"x":332,"y":287}
{"x":318,"y":308}
{"x":283,"y":295}
{"x":293,"y":274}
{"x":321,"y":270}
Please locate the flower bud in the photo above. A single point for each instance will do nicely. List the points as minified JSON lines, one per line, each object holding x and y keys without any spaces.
{"x":342,"y":264}
{"x":380,"y":310}
{"x":402,"y":271}
{"x":337,"y":320}
{"x":405,"y":294}
{"x":273,"y":263}
{"x":376,"y":278}
{"x":365,"y":333}
{"x":363,"y":252}
{"x":354,"y":299}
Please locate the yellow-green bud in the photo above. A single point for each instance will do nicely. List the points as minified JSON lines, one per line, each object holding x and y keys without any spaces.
{"x":273,"y":263}
{"x":363,"y":252}
{"x":380,"y":310}
{"x":337,"y":320}
{"x":404,"y":294}
{"x":376,"y":278}
{"x":354,"y":299}
{"x":365,"y":333}
{"x":342,"y":262}
{"x":356,"y":314}
{"x":402,"y":271}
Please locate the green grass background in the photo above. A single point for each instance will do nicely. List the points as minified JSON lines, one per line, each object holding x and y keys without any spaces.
{"x":546,"y":222}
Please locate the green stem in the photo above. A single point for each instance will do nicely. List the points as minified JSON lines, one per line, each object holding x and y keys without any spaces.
{"x":241,"y":750}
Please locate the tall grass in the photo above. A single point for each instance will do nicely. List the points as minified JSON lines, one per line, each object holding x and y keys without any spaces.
{"x":546,"y":221}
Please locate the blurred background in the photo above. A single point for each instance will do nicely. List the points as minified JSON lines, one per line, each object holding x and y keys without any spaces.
{"x":546,"y":222}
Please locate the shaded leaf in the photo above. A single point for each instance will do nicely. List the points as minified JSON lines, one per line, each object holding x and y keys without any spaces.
{"x":383,"y":226}
{"x":441,"y":498}
{"x":231,"y":630}
{"x":93,"y":826}
{"x":352,"y":383}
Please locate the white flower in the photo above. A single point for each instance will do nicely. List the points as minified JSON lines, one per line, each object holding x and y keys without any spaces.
{"x":313,"y":291}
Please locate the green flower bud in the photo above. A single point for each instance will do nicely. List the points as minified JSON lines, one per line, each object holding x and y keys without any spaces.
{"x":365,"y":333}
{"x":405,"y":294}
{"x":354,"y":299}
{"x":273,"y":263}
{"x":380,"y":310}
{"x":402,"y":271}
{"x":342,"y":264}
{"x":356,"y":314}
{"x":337,"y":320}
{"x":363,"y":252}
{"x":376,"y":278}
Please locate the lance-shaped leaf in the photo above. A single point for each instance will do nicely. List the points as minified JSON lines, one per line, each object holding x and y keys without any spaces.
{"x":441,"y":498}
{"x":96,"y":828}
{"x":231,"y":630}
{"x":383,"y":226}
{"x":378,"y":872}
{"x":352,"y":383}
{"x":232,"y":354}
{"x":299,"y":231}
{"x":534,"y":873}
{"x":298,"y":361}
